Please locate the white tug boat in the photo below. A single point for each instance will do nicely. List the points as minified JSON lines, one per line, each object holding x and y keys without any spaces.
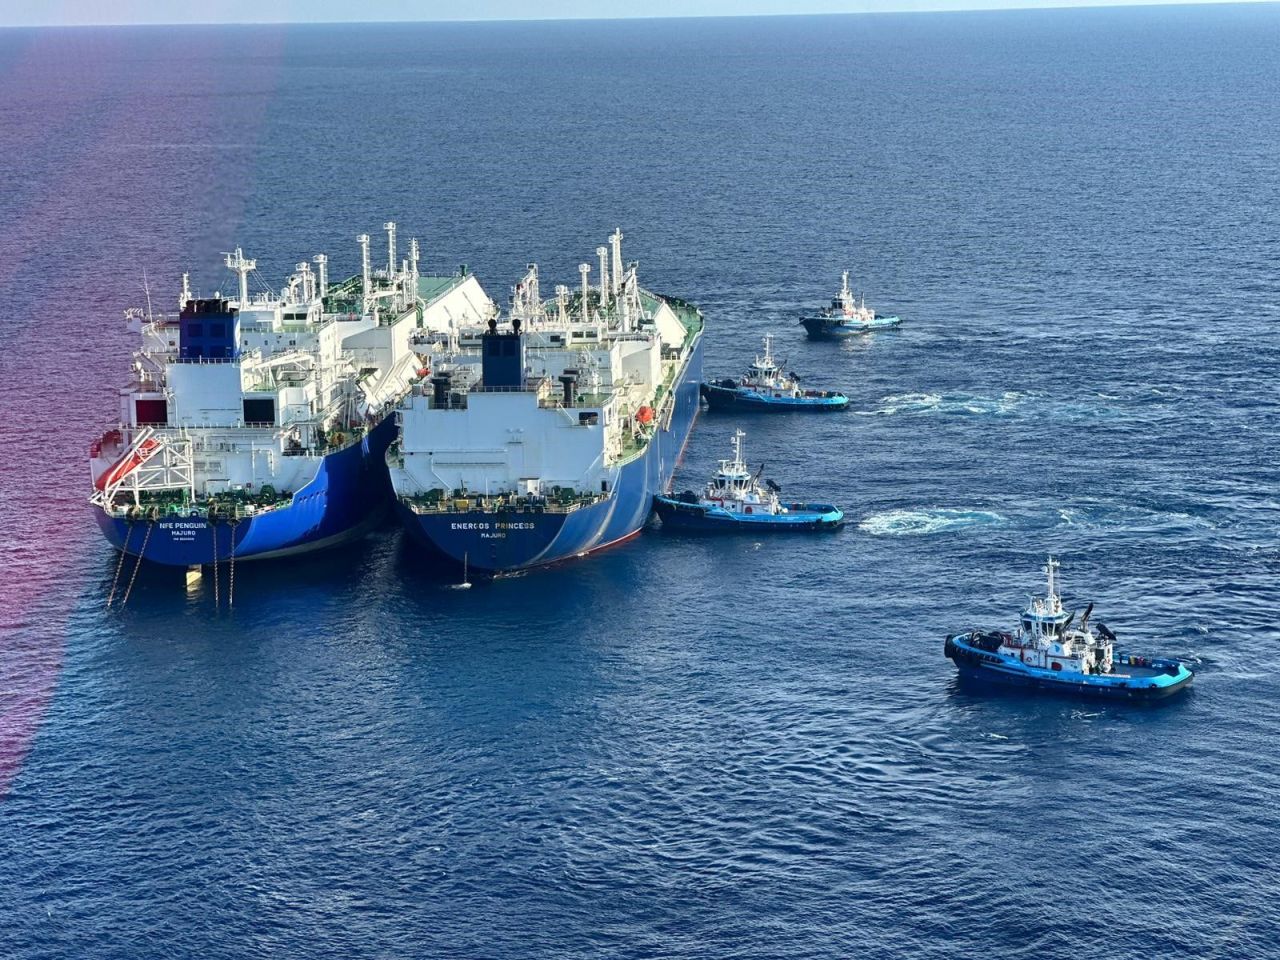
{"x":736,"y":500}
{"x":846,"y":316}
{"x":1047,"y":652}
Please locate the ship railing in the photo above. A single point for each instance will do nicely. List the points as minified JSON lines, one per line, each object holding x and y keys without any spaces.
{"x":562,"y":503}
{"x":533,"y":385}
{"x":174,"y":503}
{"x":167,"y":465}
{"x":581,"y":401}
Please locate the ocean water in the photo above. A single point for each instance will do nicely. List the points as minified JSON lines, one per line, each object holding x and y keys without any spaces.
{"x":682,"y":747}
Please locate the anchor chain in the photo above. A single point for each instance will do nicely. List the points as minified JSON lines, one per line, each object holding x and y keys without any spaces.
{"x":213,"y":529}
{"x":124,"y":549}
{"x":137,"y":566}
{"x":231,"y":581}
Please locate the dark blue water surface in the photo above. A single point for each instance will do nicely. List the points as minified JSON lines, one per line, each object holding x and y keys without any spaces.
{"x":682,"y":747}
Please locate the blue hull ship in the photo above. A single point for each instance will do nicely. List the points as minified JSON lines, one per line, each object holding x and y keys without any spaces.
{"x":736,"y":502}
{"x":1048,"y":654}
{"x":348,"y":494}
{"x":846,"y":317}
{"x":257,"y":426}
{"x":766,"y":389}
{"x":548,"y":439}
{"x":491,"y":539}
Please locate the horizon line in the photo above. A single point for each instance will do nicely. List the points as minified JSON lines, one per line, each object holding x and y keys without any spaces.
{"x":978,"y":7}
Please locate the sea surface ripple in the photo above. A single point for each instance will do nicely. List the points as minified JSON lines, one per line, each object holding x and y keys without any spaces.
{"x":682,"y":747}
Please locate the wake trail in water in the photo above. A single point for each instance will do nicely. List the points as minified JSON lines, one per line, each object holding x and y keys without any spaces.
{"x":915,"y":523}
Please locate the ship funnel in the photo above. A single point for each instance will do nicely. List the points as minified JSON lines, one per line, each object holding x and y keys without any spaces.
{"x":567,"y":381}
{"x":440,"y":390}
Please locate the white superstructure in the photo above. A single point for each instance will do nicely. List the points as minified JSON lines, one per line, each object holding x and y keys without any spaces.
{"x":1045,"y":637}
{"x":553,"y":404}
{"x":239,"y":399}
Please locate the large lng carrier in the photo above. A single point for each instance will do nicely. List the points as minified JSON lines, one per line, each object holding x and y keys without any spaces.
{"x":546,"y":435}
{"x":257,"y":426}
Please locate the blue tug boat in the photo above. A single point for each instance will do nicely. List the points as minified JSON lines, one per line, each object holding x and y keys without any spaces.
{"x":766,"y":389}
{"x":735,"y":501}
{"x":1047,"y":653}
{"x":846,"y":317}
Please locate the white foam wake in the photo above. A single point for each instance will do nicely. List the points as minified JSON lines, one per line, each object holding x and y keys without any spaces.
{"x":963,"y":404}
{"x":915,"y":523}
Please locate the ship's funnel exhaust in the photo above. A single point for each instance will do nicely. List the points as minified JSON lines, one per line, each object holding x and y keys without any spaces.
{"x":440,"y":390}
{"x":567,"y":381}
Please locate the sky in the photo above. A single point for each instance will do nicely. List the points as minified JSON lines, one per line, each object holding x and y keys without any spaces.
{"x":80,"y":12}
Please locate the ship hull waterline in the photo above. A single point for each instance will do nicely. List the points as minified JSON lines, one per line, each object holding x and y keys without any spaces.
{"x":743,"y":401}
{"x":826,"y":328}
{"x":698,"y":518}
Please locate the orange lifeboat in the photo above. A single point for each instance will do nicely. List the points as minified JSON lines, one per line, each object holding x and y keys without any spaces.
{"x":128,"y":463}
{"x":644,"y":415}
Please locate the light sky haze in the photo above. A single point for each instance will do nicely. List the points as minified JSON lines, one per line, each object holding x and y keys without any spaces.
{"x":83,"y":12}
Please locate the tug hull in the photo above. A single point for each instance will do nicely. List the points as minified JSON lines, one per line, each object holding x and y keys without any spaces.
{"x":1152,"y":679}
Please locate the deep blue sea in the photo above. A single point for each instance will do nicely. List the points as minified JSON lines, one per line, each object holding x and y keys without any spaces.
{"x":681,"y":747}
